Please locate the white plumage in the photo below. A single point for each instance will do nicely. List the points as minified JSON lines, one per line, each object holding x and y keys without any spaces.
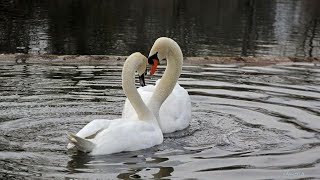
{"x":175,"y":112}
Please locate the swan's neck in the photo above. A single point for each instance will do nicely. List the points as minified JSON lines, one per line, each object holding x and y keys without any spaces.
{"x":130,"y":90}
{"x":169,"y":78}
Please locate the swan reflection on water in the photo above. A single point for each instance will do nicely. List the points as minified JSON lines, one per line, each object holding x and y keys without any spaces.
{"x":125,"y":165}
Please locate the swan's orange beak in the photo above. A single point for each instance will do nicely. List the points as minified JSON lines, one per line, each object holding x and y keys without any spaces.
{"x":154,"y":62}
{"x":154,"y":66}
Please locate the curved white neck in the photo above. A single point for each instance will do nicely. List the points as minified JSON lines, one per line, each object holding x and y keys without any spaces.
{"x":130,"y":90}
{"x":169,"y":78}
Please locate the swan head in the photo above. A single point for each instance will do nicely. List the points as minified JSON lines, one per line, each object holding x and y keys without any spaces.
{"x":159,"y":51}
{"x":141,"y":62}
{"x":142,"y":68}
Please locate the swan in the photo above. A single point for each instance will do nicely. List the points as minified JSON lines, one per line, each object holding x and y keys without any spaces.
{"x":175,"y":112}
{"x":139,"y":131}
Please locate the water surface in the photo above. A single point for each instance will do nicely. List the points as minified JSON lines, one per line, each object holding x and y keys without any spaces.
{"x":248,"y":122}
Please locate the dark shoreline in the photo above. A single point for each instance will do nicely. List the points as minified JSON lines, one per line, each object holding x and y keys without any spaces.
{"x":45,"y":58}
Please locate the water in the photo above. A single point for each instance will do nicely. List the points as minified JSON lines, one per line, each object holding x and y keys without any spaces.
{"x":206,"y":27}
{"x":248,"y":122}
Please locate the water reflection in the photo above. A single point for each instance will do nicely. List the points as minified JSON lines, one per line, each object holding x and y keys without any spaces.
{"x":78,"y":161}
{"x":139,"y":164}
{"x":163,"y":172}
{"x":244,"y":27}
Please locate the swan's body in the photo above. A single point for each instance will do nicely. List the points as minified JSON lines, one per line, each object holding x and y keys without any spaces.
{"x":132,"y":133}
{"x":175,"y":112}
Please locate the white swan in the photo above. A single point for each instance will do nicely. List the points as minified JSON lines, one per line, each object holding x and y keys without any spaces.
{"x":175,"y":112}
{"x":126,"y":134}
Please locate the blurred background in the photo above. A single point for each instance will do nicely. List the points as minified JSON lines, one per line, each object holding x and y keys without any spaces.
{"x":202,"y":28}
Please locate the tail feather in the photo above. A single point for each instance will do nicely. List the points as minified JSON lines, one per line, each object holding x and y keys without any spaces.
{"x":80,"y":143}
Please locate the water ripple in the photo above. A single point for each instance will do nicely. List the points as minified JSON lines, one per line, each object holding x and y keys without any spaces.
{"x":247,"y":121}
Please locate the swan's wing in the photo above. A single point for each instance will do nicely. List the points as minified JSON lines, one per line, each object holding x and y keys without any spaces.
{"x":145,"y":92}
{"x":92,"y":129}
{"x":127,"y":136}
{"x":175,"y":112}
{"x":120,"y":135}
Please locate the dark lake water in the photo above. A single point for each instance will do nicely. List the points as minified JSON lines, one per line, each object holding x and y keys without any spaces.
{"x":248,"y":122}
{"x":205,"y":27}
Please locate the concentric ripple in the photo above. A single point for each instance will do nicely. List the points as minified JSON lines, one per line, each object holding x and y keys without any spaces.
{"x":248,"y":122}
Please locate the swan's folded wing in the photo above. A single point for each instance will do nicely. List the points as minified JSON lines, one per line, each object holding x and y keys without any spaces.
{"x":127,"y":136}
{"x":93,"y":127}
{"x":175,"y":112}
